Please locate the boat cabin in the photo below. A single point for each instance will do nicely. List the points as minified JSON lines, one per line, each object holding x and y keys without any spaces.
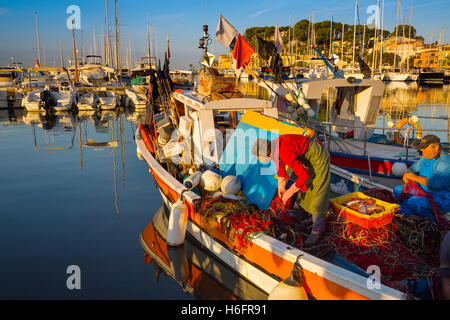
{"x":355,"y":103}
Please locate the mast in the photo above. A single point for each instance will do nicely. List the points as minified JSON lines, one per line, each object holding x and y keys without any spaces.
{"x":37,"y":36}
{"x":74,"y":52}
{"x":354,"y":36}
{"x":95,"y":42}
{"x":108,"y":39}
{"x":331,"y":35}
{"x":396,"y":32}
{"x":118,"y":39}
{"x":382,"y":37}
{"x":409,"y":35}
{"x":148,"y":42}
{"x":342,"y":43}
{"x":82,"y":49}
{"x":61,"y":55}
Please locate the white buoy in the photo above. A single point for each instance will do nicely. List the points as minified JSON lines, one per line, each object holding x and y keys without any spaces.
{"x":193,"y":180}
{"x":210,"y":181}
{"x":231,"y":185}
{"x":310,"y":112}
{"x":399,"y":169}
{"x":289,"y":289}
{"x":176,"y":230}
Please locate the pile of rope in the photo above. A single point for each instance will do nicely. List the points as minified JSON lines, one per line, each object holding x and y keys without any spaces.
{"x":240,"y":223}
{"x":407,"y":250}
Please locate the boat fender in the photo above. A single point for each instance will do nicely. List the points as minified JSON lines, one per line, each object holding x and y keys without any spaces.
{"x":289,"y":97}
{"x":290,"y":288}
{"x":231,"y":185}
{"x":193,"y":180}
{"x":210,"y":181}
{"x":295,"y":115}
{"x":301,"y":101}
{"x":176,"y":229}
{"x":399,"y":169}
{"x":310,"y":112}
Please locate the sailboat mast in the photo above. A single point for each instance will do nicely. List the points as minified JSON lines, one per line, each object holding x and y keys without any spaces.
{"x":95,"y":42}
{"x":354,"y":35}
{"x":342,"y":43}
{"x":61,"y":55}
{"x":82,"y":49}
{"x":37,"y":36}
{"x":409,"y":35}
{"x":74,"y":52}
{"x":382,"y":36}
{"x":396,"y":33}
{"x":118,"y":39}
{"x":108,"y":39}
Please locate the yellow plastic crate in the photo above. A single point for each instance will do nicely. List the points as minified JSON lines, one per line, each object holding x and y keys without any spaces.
{"x":376,"y":220}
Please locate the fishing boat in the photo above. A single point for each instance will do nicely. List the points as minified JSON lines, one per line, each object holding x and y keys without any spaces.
{"x":267,"y":260}
{"x":198,"y":272}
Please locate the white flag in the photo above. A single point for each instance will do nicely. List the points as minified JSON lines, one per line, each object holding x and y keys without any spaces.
{"x":225,"y":32}
{"x":278,"y":40}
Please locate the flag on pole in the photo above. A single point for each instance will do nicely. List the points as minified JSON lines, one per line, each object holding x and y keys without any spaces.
{"x":37,"y":63}
{"x":225,"y":32}
{"x":242,"y":51}
{"x":278,"y":40}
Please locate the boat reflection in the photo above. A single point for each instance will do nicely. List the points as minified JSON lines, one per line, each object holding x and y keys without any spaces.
{"x":198,"y":272}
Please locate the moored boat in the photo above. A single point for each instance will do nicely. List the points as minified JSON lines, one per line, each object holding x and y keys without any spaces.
{"x":266,"y":260}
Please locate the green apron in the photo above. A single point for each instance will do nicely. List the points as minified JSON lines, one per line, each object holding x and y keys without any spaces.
{"x":316,"y":198}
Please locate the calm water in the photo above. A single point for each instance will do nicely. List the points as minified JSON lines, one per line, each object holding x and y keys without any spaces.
{"x":75,"y":206}
{"x":65,"y":203}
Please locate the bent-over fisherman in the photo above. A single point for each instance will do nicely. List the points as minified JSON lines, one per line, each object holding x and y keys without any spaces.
{"x":311,"y":164}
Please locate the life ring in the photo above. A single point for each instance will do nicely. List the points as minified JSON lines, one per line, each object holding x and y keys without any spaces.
{"x":413,"y":121}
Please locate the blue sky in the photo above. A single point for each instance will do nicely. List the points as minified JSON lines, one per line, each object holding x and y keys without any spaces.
{"x":182,"y":20}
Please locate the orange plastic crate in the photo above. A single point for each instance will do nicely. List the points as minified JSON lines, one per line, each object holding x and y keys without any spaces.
{"x":366,"y":221}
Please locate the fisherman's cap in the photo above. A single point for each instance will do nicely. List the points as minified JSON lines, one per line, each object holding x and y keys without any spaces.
{"x":427,"y":140}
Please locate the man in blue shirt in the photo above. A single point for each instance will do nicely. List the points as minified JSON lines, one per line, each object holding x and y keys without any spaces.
{"x":432,"y":174}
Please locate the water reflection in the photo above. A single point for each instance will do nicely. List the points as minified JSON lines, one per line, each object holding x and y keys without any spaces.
{"x":83,"y":131}
{"x":196,"y":271}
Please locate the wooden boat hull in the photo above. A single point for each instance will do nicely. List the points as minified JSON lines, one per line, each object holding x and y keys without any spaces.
{"x":267,"y":260}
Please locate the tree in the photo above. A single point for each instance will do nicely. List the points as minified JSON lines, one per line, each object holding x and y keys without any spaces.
{"x":406,"y":29}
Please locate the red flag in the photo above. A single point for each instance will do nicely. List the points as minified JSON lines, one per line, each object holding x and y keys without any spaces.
{"x":37,"y":63}
{"x":242,"y":52}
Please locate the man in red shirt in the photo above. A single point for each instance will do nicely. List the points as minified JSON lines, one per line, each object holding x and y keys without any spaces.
{"x":310,"y":162}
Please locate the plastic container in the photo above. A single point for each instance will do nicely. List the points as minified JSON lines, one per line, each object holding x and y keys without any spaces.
{"x":375,"y":220}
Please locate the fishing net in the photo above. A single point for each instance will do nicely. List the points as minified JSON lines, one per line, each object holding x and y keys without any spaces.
{"x":237,"y":223}
{"x":406,"y":251}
